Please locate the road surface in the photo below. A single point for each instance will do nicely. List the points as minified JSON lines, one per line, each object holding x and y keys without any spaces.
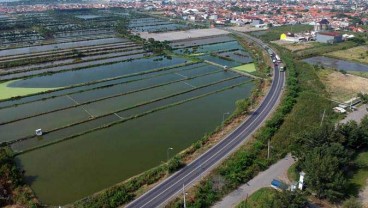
{"x":263,"y":179}
{"x":172,"y":186}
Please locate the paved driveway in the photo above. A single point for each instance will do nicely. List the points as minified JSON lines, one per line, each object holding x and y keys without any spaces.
{"x":263,"y":179}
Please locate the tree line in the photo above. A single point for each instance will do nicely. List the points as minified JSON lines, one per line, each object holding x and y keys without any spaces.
{"x":326,"y":153}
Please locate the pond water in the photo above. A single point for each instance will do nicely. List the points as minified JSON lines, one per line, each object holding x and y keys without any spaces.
{"x":337,"y":64}
{"x":34,"y":49}
{"x":95,"y":73}
{"x":75,"y":168}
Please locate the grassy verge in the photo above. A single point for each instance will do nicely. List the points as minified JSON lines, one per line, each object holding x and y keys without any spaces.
{"x":321,"y":49}
{"x":361,"y":74}
{"x":259,"y":199}
{"x":358,"y":176}
{"x":356,"y":54}
{"x":292,"y":173}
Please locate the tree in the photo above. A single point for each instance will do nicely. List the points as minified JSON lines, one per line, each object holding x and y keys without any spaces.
{"x":353,"y":135}
{"x":316,"y":137}
{"x":324,"y":176}
{"x":288,"y":199}
{"x":364,"y":129}
{"x":175,"y":164}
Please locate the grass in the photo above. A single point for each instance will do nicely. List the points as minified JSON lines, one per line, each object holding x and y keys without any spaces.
{"x":292,"y":173}
{"x":321,"y":48}
{"x":359,"y":73}
{"x":10,"y":92}
{"x":258,"y":199}
{"x":359,"y":177}
{"x":295,"y":46}
{"x":357,"y":54}
{"x":246,"y":68}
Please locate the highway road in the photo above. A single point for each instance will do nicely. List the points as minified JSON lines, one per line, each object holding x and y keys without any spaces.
{"x":172,"y":186}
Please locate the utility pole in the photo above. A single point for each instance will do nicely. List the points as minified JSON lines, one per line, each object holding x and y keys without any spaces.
{"x":323,"y":117}
{"x":185,"y":205}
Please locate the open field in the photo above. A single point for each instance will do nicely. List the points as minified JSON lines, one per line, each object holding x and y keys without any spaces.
{"x":342,"y":87}
{"x":357,"y":54}
{"x":294,"y":46}
{"x":246,"y":28}
{"x":246,"y":68}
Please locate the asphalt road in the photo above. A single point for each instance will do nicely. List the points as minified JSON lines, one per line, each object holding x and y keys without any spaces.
{"x":172,"y":186}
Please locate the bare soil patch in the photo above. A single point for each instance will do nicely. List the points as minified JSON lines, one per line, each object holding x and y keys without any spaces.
{"x":343,"y":87}
{"x":294,"y":46}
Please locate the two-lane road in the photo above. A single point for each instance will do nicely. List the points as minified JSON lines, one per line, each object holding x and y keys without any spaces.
{"x":191,"y":173}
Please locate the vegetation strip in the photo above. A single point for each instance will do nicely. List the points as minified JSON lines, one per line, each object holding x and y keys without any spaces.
{"x":103,"y":86}
{"x":125,"y":109}
{"x":131,"y":117}
{"x":111,"y":96}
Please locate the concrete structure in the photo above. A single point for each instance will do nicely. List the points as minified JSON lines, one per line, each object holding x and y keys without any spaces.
{"x":301,"y":180}
{"x":328,"y":37}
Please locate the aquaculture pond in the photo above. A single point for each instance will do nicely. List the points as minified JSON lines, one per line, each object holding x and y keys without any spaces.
{"x":337,"y":64}
{"x":223,"y":50}
{"x":105,"y":124}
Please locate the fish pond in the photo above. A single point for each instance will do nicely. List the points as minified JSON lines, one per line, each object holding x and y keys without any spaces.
{"x":105,"y":124}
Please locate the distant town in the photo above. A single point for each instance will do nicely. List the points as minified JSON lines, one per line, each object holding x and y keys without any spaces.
{"x":342,"y":15}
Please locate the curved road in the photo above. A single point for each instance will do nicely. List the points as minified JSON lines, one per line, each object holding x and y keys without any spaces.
{"x":172,"y":186}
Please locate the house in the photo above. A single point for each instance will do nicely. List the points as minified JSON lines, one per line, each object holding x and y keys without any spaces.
{"x":323,"y":25}
{"x":328,"y":37}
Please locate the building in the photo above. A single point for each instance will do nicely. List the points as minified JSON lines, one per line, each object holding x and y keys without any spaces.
{"x":328,"y":37}
{"x":323,"y":25}
{"x":256,"y":22}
